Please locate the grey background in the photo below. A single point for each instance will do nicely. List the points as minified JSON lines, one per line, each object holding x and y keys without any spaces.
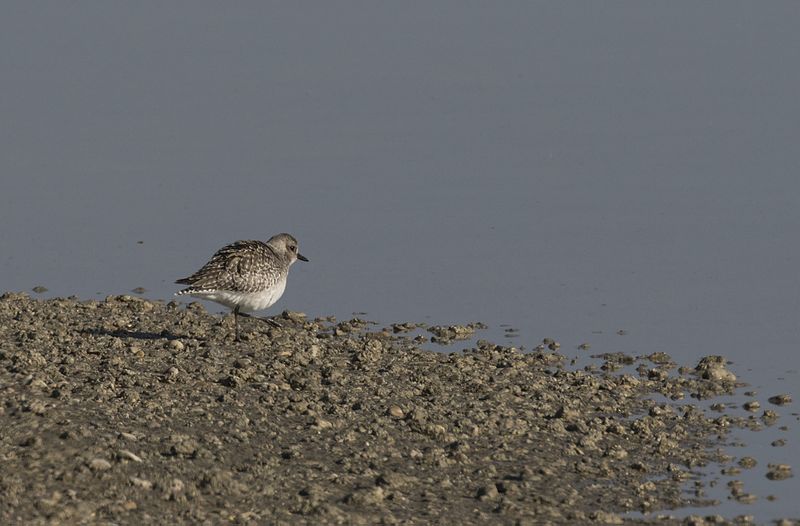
{"x":565,"y":168}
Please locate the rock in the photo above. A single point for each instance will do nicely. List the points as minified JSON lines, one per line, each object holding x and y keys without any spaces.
{"x":127,"y":455}
{"x":781,"y":399}
{"x":366,"y":496}
{"x":141,"y":483}
{"x":779,"y":471}
{"x":321,"y":423}
{"x":395,"y":412}
{"x":337,"y":423}
{"x":99,"y":464}
{"x":487,"y":492}
{"x":714,"y":368}
{"x":748,"y":462}
{"x":752,"y":406}
{"x":182,"y":445}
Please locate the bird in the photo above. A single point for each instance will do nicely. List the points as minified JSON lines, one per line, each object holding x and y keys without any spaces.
{"x":245,"y":276}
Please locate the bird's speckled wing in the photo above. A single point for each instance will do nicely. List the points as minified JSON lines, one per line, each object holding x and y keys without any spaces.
{"x":243,"y":266}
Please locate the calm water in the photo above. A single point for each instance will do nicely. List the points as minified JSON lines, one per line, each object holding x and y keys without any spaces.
{"x":569,"y":169}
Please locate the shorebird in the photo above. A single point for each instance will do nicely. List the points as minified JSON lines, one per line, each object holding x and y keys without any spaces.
{"x":245,"y":275}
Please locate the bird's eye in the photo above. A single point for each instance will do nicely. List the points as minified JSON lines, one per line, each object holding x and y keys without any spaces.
{"x":292,"y":248}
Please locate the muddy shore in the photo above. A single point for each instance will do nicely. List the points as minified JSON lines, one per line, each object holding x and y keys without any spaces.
{"x":128,"y":411}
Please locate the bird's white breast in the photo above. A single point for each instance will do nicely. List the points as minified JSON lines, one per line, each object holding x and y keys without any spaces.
{"x":246,"y":301}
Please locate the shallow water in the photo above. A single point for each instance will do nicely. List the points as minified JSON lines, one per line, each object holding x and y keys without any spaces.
{"x":568,"y":170}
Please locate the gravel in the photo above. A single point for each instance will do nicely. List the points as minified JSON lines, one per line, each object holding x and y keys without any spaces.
{"x":130,"y":411}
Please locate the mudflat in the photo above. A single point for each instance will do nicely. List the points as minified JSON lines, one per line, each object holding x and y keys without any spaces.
{"x":129,"y":411}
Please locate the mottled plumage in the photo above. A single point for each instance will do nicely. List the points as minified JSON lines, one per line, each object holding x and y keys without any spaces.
{"x":245,"y":275}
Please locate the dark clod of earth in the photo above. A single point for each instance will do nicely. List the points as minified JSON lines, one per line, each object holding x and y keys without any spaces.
{"x":129,"y":411}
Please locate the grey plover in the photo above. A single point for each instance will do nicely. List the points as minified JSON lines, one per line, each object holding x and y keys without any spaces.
{"x":245,"y":275}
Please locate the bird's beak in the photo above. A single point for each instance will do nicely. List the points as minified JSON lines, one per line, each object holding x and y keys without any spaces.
{"x":301,"y":257}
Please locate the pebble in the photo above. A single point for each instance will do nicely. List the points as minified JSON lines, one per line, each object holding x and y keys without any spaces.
{"x":141,"y":483}
{"x":125,"y":454}
{"x":752,"y":406}
{"x":321,"y":423}
{"x":488,"y":492}
{"x":395,"y":412}
{"x":748,"y":462}
{"x":100,"y":464}
{"x":779,"y":471}
{"x":350,"y":429}
{"x":781,"y":399}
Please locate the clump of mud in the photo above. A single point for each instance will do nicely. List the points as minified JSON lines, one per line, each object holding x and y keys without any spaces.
{"x":134,"y":412}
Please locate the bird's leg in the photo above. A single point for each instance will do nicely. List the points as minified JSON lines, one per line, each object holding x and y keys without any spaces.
{"x":272,"y":322}
{"x":236,"y":323}
{"x":267,"y":320}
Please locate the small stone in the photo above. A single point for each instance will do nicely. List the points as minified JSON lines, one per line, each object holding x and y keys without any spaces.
{"x":37,"y":407}
{"x":31,"y":441}
{"x":54,"y":499}
{"x":171,"y":374}
{"x":321,"y":423}
{"x":128,"y":455}
{"x":366,"y":496}
{"x":99,"y":464}
{"x":418,"y":414}
{"x":294,"y":316}
{"x":176,"y":345}
{"x":395,"y":412}
{"x":747,"y":462}
{"x":770,"y":417}
{"x":719,"y":374}
{"x":659,"y":358}
{"x":746,"y":498}
{"x":141,"y":483}
{"x":694,"y":520}
{"x":779,"y":471}
{"x":713,"y":368}
{"x":781,"y":399}
{"x":175,"y":490}
{"x":488,"y":492}
{"x":752,"y":406}
{"x":605,"y":517}
{"x":38,"y":383}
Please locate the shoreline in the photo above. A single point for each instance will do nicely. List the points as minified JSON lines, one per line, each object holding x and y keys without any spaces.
{"x":129,"y":411}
